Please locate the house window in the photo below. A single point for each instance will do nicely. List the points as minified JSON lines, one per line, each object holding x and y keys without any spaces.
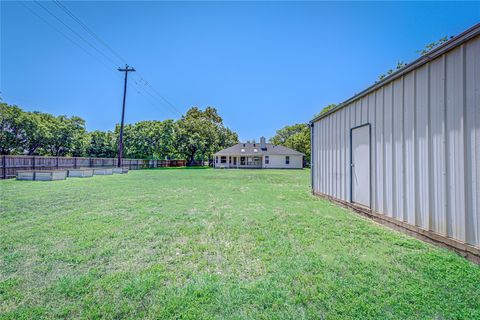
{"x":287,"y":160}
{"x":234,"y":161}
{"x":242,"y":161}
{"x":267,"y":160}
{"x":216,"y":159}
{"x":223,"y":159}
{"x":229,"y":160}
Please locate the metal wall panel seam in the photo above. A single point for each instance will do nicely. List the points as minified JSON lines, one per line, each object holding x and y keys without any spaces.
{"x":416,"y":211}
{"x":466,"y":167}
{"x":447,"y":152}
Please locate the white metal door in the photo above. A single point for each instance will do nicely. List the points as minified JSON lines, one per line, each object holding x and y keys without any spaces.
{"x":360,"y":165}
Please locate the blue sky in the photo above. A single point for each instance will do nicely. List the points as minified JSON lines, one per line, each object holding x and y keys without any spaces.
{"x":263,"y":65}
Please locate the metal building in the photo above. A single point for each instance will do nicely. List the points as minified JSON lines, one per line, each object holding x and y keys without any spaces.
{"x":406,"y":151}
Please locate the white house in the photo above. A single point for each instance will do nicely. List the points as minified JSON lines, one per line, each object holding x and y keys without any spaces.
{"x":258,"y":156}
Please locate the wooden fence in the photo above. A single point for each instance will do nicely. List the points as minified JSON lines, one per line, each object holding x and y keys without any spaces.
{"x":10,"y":164}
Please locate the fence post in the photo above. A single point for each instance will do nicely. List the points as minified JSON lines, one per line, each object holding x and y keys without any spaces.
{"x":91,"y":162}
{"x":4,"y":167}
{"x":33,"y":163}
{"x":75,"y":162}
{"x":57,"y":163}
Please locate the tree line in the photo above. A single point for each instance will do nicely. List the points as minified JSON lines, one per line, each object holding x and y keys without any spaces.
{"x":295,"y":136}
{"x":194,"y":137}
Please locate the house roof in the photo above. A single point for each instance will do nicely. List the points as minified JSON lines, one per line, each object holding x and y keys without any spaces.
{"x":249,"y":148}
{"x":434,"y":53}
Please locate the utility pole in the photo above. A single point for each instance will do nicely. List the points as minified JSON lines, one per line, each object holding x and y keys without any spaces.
{"x":120,"y":141}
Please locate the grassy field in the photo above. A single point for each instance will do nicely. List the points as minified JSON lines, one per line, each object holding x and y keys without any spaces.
{"x":202,"y":244}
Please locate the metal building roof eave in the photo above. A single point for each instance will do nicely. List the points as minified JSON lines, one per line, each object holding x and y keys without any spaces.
{"x":447,"y":46}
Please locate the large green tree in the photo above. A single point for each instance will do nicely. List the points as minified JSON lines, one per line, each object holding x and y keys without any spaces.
{"x":149,"y":139}
{"x":201,"y":133}
{"x":296,"y":136}
{"x":67,"y":136}
{"x":226,"y":138}
{"x":284,"y":134}
{"x":326,"y":109}
{"x":195,"y":136}
{"x":101,"y":144}
{"x":11,"y":129}
{"x":37,"y":131}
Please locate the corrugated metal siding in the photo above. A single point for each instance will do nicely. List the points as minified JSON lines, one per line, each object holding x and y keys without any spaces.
{"x":425,"y":146}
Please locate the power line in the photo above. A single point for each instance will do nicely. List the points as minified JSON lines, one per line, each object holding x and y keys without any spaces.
{"x":105,"y":44}
{"x":74,"y":32}
{"x":90,"y":31}
{"x":153,"y":104}
{"x":160,"y":98}
{"x":143,"y":89}
{"x":138,"y":90}
{"x":159,"y":95}
{"x":64,"y":35}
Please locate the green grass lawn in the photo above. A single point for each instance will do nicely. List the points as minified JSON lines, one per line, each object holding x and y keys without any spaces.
{"x":222,"y":244}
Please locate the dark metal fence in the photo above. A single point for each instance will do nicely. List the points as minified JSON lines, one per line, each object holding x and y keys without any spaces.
{"x":10,"y":164}
{"x":197,"y":163}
